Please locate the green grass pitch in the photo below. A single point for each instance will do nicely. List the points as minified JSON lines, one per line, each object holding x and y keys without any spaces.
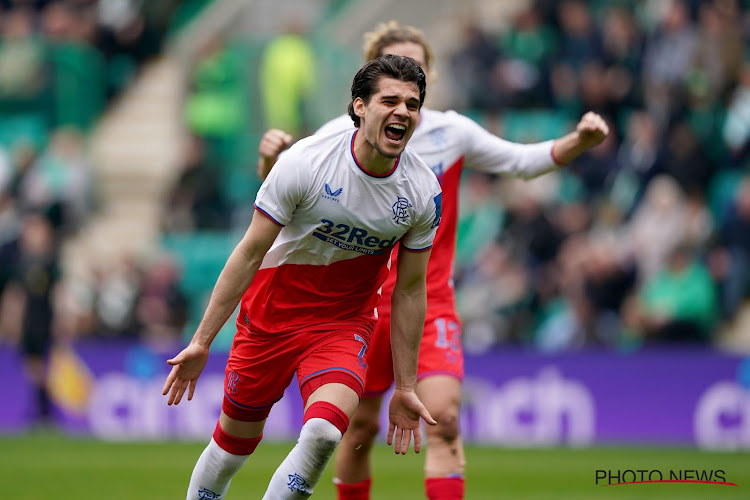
{"x":44,"y":466}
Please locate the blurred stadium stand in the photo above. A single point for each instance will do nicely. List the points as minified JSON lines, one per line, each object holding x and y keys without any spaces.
{"x":191,"y":112}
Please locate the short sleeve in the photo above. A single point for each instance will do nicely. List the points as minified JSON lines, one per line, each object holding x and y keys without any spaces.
{"x":284,"y":188}
{"x":421,"y":235}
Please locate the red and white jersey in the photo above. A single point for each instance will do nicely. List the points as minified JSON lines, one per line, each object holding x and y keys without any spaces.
{"x":340,"y":225}
{"x":449,"y":142}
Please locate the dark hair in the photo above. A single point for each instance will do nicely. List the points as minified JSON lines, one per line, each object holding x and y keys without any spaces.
{"x":367,"y":79}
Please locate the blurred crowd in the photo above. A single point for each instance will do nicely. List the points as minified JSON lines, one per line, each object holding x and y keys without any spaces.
{"x":61,"y":63}
{"x":644,"y":239}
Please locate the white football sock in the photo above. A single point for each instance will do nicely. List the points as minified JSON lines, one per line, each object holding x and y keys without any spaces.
{"x":301,"y":469}
{"x":213,"y":472}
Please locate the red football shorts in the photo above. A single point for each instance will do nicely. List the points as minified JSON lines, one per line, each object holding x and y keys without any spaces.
{"x":440,"y":352}
{"x":260,"y":367}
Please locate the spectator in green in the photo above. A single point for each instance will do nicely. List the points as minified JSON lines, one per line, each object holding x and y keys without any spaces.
{"x":59,"y":183}
{"x":679,"y":303}
{"x":23,"y":75}
{"x":216,"y":106}
{"x":480,"y":220}
{"x":287,"y":78}
{"x":526,"y":48}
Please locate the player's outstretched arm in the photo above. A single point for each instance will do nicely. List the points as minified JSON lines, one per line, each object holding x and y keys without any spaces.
{"x":273,"y":142}
{"x":590,"y":131}
{"x":233,"y":281}
{"x":409,"y":305}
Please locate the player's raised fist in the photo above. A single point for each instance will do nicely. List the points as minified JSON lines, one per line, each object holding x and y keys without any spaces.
{"x":592,"y":129}
{"x":273,"y":142}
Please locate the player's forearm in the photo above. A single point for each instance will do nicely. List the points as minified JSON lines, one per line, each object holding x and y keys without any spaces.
{"x":408,"y":310}
{"x":524,"y":161}
{"x":233,"y":281}
{"x":568,"y":147}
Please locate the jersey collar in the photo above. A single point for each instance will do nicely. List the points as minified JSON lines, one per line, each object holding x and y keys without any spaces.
{"x":378,"y":176}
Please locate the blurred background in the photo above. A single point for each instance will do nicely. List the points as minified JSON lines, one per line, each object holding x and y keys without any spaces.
{"x":607,"y":303}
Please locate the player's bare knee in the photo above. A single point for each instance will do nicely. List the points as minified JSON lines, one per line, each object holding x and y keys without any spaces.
{"x":447,"y":428}
{"x":362,"y":432}
{"x":364,"y":427}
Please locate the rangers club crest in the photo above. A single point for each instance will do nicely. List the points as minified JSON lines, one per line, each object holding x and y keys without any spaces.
{"x":298,"y":483}
{"x":232,"y":380}
{"x":400,"y":209}
{"x":206,"y":494}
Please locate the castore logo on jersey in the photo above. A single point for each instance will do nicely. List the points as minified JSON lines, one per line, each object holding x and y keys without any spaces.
{"x":331,"y":194}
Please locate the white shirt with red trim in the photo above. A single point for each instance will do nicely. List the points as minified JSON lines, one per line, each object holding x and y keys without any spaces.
{"x":449,"y":142}
{"x":340,"y":224}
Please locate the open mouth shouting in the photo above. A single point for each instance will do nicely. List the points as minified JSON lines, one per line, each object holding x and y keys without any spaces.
{"x":395,"y":132}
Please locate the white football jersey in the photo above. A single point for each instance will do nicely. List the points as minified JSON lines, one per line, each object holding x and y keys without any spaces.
{"x":340,"y":224}
{"x":450,"y":142}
